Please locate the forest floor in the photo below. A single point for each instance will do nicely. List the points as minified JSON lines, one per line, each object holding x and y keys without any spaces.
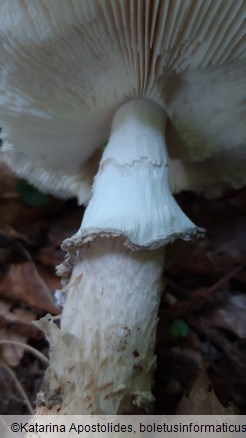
{"x":201,"y":346}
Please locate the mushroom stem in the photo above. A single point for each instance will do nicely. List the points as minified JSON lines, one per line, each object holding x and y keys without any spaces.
{"x":111,"y":313}
{"x":102,"y":359}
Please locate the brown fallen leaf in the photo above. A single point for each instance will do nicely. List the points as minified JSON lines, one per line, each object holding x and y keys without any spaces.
{"x":202,"y":400}
{"x":4,"y":307}
{"x":48,"y":274}
{"x":12,"y":354}
{"x":22,"y":282}
{"x":29,"y":224}
{"x":17,"y":321}
{"x":23,"y":315}
{"x":19,"y":314}
{"x":19,"y":278}
{"x":231,"y":315}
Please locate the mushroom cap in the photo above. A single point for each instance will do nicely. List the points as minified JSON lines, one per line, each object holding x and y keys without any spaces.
{"x":67,"y":66}
{"x":224,"y":170}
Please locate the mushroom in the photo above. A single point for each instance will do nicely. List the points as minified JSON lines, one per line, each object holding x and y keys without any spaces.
{"x":164,"y":82}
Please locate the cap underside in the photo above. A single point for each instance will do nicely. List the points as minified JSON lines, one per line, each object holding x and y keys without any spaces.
{"x":68,"y":65}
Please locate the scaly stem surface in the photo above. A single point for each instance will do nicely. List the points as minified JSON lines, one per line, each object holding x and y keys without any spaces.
{"x":103,"y":357}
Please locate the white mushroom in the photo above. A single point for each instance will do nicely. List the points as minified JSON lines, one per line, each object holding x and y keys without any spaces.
{"x":167,"y":77}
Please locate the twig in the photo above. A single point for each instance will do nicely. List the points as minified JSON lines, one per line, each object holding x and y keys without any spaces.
{"x":197,"y":298}
{"x":218,"y":284}
{"x":18,"y":385}
{"x":27,"y":347}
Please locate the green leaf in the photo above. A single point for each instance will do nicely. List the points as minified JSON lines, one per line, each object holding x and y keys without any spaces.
{"x":29,"y":194}
{"x":179,"y":328}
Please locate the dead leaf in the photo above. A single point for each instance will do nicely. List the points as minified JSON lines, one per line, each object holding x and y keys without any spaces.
{"x":231,"y":315}
{"x":202,"y":400}
{"x":12,"y":354}
{"x":24,"y":315}
{"x":22,"y":282}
